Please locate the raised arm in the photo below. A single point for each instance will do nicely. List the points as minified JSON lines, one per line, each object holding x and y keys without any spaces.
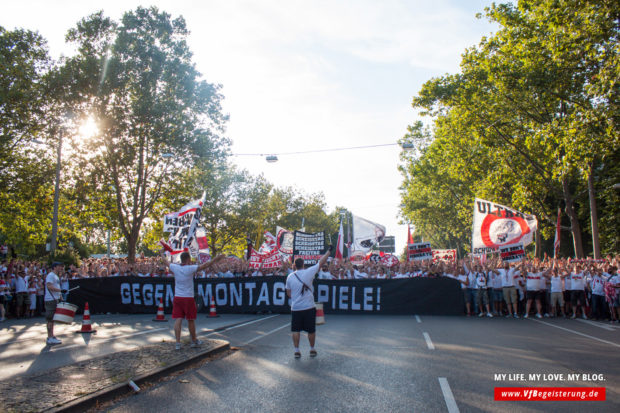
{"x":208,"y":265}
{"x":325,"y":256}
{"x":164,"y":259}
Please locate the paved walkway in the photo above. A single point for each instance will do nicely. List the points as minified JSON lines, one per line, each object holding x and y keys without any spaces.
{"x":38,"y":377}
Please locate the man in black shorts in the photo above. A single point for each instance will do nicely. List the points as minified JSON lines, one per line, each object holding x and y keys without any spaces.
{"x":300,"y":291}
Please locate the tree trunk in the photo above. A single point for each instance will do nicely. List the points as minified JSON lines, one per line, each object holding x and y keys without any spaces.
{"x":593,"y":214}
{"x":574,"y":220}
{"x":538,"y":242}
{"x":132,"y":242}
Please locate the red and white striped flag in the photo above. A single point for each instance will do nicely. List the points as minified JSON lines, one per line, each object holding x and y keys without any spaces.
{"x":339,"y":243}
{"x":556,"y":242}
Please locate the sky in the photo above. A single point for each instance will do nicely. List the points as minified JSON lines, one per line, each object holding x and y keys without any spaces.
{"x":307,"y":75}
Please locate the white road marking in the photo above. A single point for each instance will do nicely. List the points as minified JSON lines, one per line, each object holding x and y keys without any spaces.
{"x":578,"y":333}
{"x":266,"y":334}
{"x":429,"y":343}
{"x":595,"y":324}
{"x":242,"y":325}
{"x":448,"y":396}
{"x":417,"y":318}
{"x":97,"y":341}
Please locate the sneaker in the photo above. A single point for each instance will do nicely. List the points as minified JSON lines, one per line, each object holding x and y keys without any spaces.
{"x":526,"y":316}
{"x":516,"y":315}
{"x":53,"y":340}
{"x":584,"y":317}
{"x":196,"y":343}
{"x":297,"y":354}
{"x":538,"y":315}
{"x":573,"y":317}
{"x":489,"y":315}
{"x":312,"y":353}
{"x":3,"y":319}
{"x":481,"y":314}
{"x":177,"y":346}
{"x":508,"y":315}
{"x":546,"y":315}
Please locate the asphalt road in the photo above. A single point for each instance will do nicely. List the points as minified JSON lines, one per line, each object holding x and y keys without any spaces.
{"x":395,"y":364}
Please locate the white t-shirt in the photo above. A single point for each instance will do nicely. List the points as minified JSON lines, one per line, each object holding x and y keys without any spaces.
{"x":183,"y":279}
{"x":325,"y":275}
{"x":597,"y":285}
{"x":557,"y":284}
{"x":20,"y":286}
{"x":577,"y":282}
{"x":359,"y":274}
{"x":302,"y":301}
{"x":55,"y":281}
{"x":462,"y":278}
{"x":508,"y":277}
{"x":533,"y":281}
{"x":471,"y":276}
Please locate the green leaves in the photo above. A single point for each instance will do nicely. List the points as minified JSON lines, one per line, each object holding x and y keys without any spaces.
{"x":528,"y":113}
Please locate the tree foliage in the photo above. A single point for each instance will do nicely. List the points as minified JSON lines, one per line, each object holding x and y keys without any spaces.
{"x":535,"y":105}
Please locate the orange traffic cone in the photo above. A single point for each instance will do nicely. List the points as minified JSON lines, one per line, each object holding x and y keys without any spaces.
{"x":212,"y":312}
{"x":320,"y":315}
{"x":86,"y":327}
{"x":160,"y":312}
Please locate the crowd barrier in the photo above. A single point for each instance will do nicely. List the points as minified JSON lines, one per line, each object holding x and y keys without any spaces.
{"x":131,"y":295}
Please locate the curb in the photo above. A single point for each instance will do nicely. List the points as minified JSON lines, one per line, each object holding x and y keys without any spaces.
{"x":83,"y":403}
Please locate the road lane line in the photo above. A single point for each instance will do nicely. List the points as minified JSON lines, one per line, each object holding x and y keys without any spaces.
{"x":266,"y":334}
{"x":417,"y":318}
{"x":448,"y":396}
{"x":107,"y":339}
{"x":97,"y":341}
{"x":578,"y":333}
{"x":429,"y":343}
{"x":595,"y":324}
{"x":241,"y":325}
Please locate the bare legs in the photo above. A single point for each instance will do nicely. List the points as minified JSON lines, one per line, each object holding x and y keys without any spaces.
{"x":311,"y":339}
{"x":191,"y":325}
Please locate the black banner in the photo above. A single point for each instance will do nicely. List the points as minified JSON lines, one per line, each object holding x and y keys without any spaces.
{"x":437,"y":296}
{"x":310,"y":247}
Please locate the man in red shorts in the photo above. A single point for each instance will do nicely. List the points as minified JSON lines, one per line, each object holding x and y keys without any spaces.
{"x":183,"y":304}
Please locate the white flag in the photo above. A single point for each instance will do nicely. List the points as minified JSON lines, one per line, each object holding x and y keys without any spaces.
{"x":195,"y":221}
{"x":497,"y":225}
{"x":366,"y":234}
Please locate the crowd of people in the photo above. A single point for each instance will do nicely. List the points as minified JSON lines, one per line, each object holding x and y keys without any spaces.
{"x":532,"y":287}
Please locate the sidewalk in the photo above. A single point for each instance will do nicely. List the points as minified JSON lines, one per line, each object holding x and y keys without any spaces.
{"x":78,"y":386}
{"x":38,"y":377}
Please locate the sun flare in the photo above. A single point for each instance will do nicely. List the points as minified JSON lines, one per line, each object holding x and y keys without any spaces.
{"x":89,"y":128}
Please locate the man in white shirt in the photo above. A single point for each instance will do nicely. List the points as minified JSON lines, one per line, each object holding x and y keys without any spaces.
{"x":52,"y":296}
{"x":597,"y":285}
{"x":510,"y":275}
{"x":577,"y":291}
{"x":534,"y":292}
{"x":556,"y":278}
{"x":21,"y":293}
{"x":184,"y":304}
{"x":303,"y":312}
{"x":324,"y":274}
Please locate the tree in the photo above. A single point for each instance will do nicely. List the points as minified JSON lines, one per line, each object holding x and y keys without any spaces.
{"x":524,"y":114}
{"x":156,"y":117}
